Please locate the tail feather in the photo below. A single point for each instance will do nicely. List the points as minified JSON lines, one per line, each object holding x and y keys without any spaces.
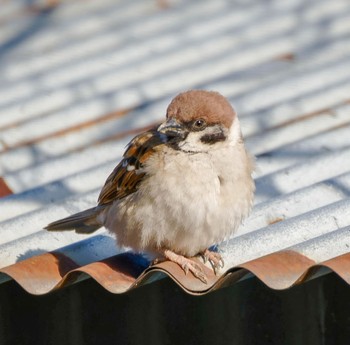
{"x":84,"y":222}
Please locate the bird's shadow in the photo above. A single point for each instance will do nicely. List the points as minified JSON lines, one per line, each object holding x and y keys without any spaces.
{"x":128,"y":263}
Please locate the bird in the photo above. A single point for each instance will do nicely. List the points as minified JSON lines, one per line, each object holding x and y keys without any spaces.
{"x":180,"y":188}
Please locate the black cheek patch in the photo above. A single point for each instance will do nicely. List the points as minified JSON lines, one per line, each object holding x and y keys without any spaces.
{"x":213,"y":138}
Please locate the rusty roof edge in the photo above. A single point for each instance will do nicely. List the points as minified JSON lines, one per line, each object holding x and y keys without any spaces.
{"x":4,"y":188}
{"x":124,"y":272}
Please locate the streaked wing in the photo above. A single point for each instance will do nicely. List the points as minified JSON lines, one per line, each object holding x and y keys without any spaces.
{"x":128,"y":173}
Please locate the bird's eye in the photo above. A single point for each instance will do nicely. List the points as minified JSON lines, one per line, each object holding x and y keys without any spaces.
{"x":199,"y":124}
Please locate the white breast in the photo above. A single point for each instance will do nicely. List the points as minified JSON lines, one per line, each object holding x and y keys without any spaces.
{"x":187,"y":203}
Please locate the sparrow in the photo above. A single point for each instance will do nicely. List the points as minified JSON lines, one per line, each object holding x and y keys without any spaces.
{"x":180,"y":188}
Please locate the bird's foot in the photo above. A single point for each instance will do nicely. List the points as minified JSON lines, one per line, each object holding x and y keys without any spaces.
{"x":187,"y":265}
{"x":214,"y":259}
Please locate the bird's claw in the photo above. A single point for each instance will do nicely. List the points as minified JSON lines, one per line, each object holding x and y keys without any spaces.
{"x":187,"y":265}
{"x":205,"y":259}
{"x":157,"y":261}
{"x":215,"y":260}
{"x":191,"y":266}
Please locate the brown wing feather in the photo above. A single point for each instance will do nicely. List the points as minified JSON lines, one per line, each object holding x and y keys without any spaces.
{"x":128,"y":173}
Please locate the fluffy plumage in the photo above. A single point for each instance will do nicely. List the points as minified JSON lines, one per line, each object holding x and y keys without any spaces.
{"x":181,"y":187}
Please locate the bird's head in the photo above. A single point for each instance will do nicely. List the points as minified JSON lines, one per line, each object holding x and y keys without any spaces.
{"x":197,"y":121}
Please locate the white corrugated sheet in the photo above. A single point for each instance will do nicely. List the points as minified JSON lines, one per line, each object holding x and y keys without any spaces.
{"x":79,"y":78}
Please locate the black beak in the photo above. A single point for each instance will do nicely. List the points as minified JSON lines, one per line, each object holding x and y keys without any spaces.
{"x":173,"y":130}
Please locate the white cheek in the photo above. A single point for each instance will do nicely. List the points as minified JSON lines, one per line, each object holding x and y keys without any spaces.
{"x":234,"y":134}
{"x":193,"y":143}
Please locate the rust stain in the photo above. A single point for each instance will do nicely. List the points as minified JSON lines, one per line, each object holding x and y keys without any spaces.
{"x":343,"y":125}
{"x":322,"y":111}
{"x":40,"y":274}
{"x":187,"y":281}
{"x":105,"y":118}
{"x":286,"y":57}
{"x":29,"y":10}
{"x":124,"y":134}
{"x":340,"y":265}
{"x":44,"y":7}
{"x":279,"y":270}
{"x":4,"y":188}
{"x":163,"y":4}
{"x":117,"y":136}
{"x":275,"y":220}
{"x":118,"y":274}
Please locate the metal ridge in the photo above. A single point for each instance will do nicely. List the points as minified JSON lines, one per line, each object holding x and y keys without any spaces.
{"x":281,"y":270}
{"x":68,"y":107}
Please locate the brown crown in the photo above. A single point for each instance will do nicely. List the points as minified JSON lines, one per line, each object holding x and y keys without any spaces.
{"x":207,"y":105}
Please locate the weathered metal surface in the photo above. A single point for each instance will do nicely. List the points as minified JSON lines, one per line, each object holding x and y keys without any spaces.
{"x":69,"y":106}
{"x":118,"y":274}
{"x":4,"y":188}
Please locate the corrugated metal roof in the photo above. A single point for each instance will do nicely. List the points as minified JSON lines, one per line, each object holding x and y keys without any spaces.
{"x":79,"y":79}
